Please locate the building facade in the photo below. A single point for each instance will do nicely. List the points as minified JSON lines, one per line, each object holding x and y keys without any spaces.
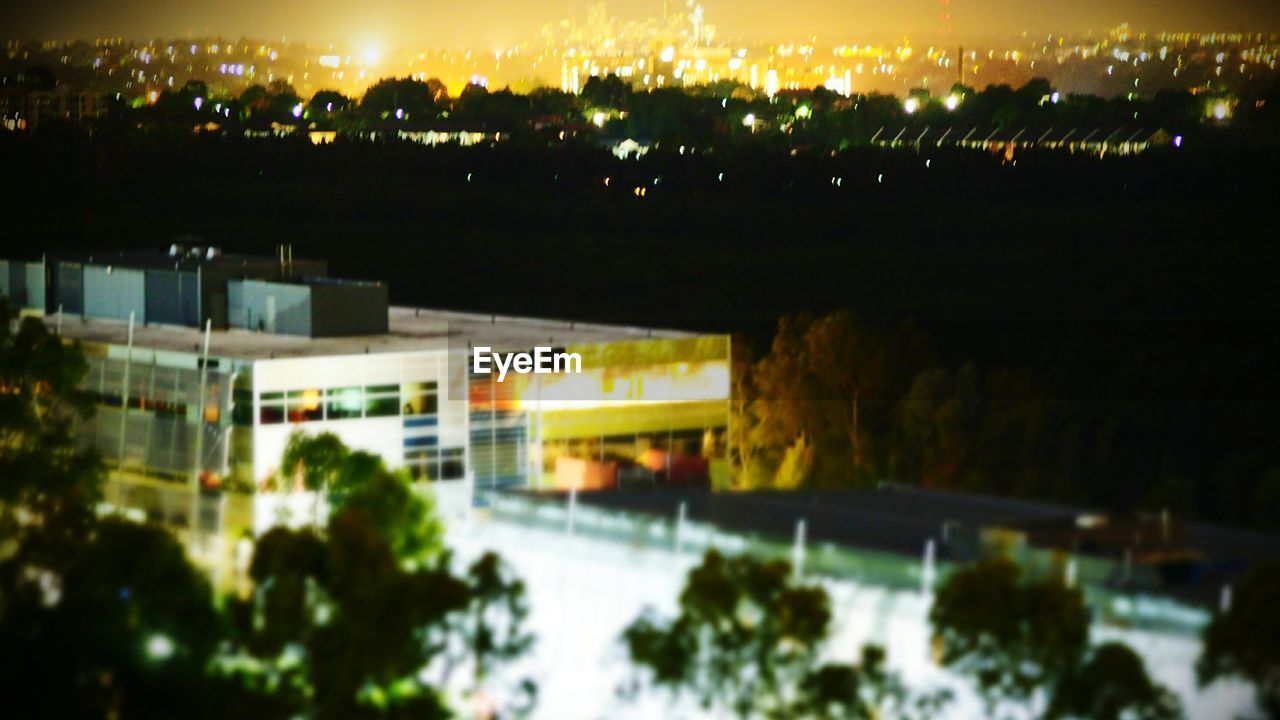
{"x":203,"y":365}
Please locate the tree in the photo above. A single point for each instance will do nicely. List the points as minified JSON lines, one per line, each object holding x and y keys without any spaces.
{"x":337,"y":628}
{"x":491,"y":631}
{"x":606,"y":92}
{"x":747,"y":640}
{"x":1025,"y":640}
{"x":124,"y":626}
{"x":1245,"y":640}
{"x":413,"y":99}
{"x":48,"y":484}
{"x":1015,"y":637}
{"x":825,"y":384}
{"x":1110,"y":685}
{"x":327,"y":102}
{"x":347,"y":479}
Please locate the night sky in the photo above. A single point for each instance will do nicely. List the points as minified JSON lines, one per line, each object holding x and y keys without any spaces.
{"x":498,"y":23}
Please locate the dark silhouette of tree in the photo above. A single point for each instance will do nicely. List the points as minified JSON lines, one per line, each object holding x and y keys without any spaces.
{"x":414,"y":99}
{"x":606,"y":92}
{"x":746,"y":641}
{"x":1113,"y":684}
{"x":1245,"y":640}
{"x":326,"y":102}
{"x":1025,"y":641}
{"x":119,"y":625}
{"x":1013,"y":636}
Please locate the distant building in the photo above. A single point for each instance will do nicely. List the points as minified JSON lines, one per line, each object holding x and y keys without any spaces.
{"x":24,"y":109}
{"x":292,"y":349}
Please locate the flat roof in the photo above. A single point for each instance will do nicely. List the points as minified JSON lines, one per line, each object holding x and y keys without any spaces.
{"x":411,"y":329}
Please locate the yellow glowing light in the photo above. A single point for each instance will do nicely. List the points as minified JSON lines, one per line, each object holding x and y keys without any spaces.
{"x":598,"y":119}
{"x":668,"y":54}
{"x":910,"y":105}
{"x":371,"y":55}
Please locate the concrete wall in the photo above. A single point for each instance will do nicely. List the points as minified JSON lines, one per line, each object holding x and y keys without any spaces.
{"x":68,"y":288}
{"x":113,"y":293}
{"x":173,"y":297}
{"x":270,"y":307}
{"x":341,"y":309}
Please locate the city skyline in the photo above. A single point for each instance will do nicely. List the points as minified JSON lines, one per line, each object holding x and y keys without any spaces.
{"x":494,"y":25}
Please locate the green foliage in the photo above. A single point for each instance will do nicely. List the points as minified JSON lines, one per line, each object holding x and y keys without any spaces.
{"x":1012,"y":635}
{"x":120,"y":625}
{"x":747,"y":640}
{"x":1025,"y":640}
{"x":1113,"y":684}
{"x":1245,"y":640}
{"x":360,"y":480}
{"x":48,"y":484}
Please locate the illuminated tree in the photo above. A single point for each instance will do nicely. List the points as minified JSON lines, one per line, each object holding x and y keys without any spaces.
{"x":48,"y":483}
{"x":347,"y":479}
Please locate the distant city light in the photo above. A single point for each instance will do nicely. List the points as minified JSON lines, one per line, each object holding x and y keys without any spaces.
{"x":1055,"y":97}
{"x":399,"y":113}
{"x":1221,"y":110}
{"x":911,"y":105}
{"x":803,"y":112}
{"x":198,"y":102}
{"x":749,"y":120}
{"x":1177,"y":141}
{"x":952,"y":102}
{"x":371,"y":55}
{"x":598,"y":119}
{"x":297,"y":110}
{"x":668,"y":54}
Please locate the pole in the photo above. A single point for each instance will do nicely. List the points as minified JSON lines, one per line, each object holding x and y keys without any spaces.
{"x":124,"y":416}
{"x":797,"y":551}
{"x":196,"y":463}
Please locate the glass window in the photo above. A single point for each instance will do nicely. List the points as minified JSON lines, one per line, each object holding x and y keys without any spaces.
{"x":305,"y":406}
{"x":453,"y":464}
{"x":420,"y":398}
{"x":382,"y":400}
{"x":436,"y":463}
{"x":271,"y":414}
{"x":343,"y":403}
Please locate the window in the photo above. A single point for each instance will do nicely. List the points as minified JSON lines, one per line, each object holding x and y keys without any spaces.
{"x":304,"y":406}
{"x":436,"y":463}
{"x":271,"y":408}
{"x":381,"y":400}
{"x":453,"y":464}
{"x":420,"y":398}
{"x":343,"y":403}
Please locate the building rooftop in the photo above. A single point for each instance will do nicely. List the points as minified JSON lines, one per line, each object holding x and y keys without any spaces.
{"x":411,"y":329}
